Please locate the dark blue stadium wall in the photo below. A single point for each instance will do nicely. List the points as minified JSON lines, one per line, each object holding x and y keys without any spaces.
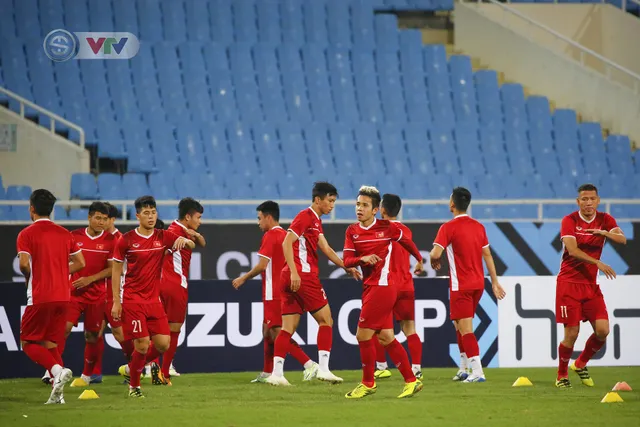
{"x":223,"y":329}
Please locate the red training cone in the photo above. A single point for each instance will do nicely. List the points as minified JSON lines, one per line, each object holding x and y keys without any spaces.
{"x":621,"y":386}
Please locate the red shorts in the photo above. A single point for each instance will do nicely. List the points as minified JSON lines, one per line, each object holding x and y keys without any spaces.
{"x":309,"y":298}
{"x":377,"y":307}
{"x":405,"y":307}
{"x":144,"y":320}
{"x":44,"y":322}
{"x":463,"y":304}
{"x":174,"y":299}
{"x":107,"y":314}
{"x":577,"y":302}
{"x":93,"y":314}
{"x":272,"y":313}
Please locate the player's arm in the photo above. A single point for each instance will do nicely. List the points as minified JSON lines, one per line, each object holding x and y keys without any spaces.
{"x":411,"y":247}
{"x":77,"y":262}
{"x":615,"y":235}
{"x":571,"y":245}
{"x":441,"y":241}
{"x":197,"y":237}
{"x":86,"y":281}
{"x":287,"y":249}
{"x":435,"y":255}
{"x":25,"y":265}
{"x":333,"y":256}
{"x":259,"y":268}
{"x":498,"y":290}
{"x":116,"y":277}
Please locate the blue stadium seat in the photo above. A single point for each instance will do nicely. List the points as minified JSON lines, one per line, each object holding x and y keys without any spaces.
{"x":60,"y":213}
{"x":110,"y":186}
{"x":162,"y":187}
{"x":83,"y":186}
{"x":6,"y":213}
{"x":135,"y":185}
{"x":18,"y":192}
{"x":78,"y":214}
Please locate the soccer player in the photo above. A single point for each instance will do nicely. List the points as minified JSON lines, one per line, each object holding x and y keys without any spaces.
{"x":44,"y":252}
{"x":115,"y":325}
{"x":269,"y":267}
{"x":173,"y":286}
{"x":369,"y":243}
{"x":578,"y":295}
{"x":142,"y":313}
{"x":466,"y":243}
{"x":88,"y":288}
{"x":404,"y":310}
{"x":301,"y":288}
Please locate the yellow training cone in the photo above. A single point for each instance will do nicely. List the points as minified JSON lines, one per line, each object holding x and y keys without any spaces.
{"x":88,"y":394}
{"x":522,"y":382}
{"x":79,"y":382}
{"x":612,"y":397}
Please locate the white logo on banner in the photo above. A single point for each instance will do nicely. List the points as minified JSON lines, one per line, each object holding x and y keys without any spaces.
{"x":529,"y":335}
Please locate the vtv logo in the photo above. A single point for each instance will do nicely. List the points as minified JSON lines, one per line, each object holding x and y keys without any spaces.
{"x":107,"y":44}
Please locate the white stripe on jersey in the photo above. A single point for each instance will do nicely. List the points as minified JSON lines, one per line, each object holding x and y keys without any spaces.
{"x":304,"y":262}
{"x":177,"y":267}
{"x":268,"y":282}
{"x":384,"y":274}
{"x":455,"y":285}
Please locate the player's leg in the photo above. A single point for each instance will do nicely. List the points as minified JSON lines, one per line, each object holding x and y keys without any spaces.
{"x":134,"y":324}
{"x":325,"y":342}
{"x":568,"y":313}
{"x":268,"y":339}
{"x":400,"y":358}
{"x":367,"y":386}
{"x":160,"y":331}
{"x":93,"y":324}
{"x":414,"y":344}
{"x":282,"y":343}
{"x":118,"y":334}
{"x":594,"y":310}
{"x":176,"y":314}
{"x":54,"y":322}
{"x":463,"y":309}
{"x":463,"y":370}
{"x":96,"y":376}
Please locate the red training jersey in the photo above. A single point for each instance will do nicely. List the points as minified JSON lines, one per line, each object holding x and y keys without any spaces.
{"x":307,"y":226}
{"x":97,"y":251}
{"x":376,"y":239}
{"x":176,"y":264}
{"x":401,"y":261}
{"x":574,"y":226}
{"x":271,"y":249}
{"x":49,"y":247}
{"x":144,"y":256}
{"x":463,"y":238}
{"x":117,"y":235}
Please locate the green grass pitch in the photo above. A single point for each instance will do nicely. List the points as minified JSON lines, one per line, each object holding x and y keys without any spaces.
{"x":229,"y":400}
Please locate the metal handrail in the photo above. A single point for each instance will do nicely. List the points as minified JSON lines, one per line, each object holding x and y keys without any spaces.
{"x":583,"y":50}
{"x":540,"y":203}
{"x":53,"y":116}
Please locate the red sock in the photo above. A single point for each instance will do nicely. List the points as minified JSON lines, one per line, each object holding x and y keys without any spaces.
{"x":460,"y":343}
{"x":592,"y":346}
{"x":152,"y":354}
{"x":401,"y":360}
{"x":56,"y":355}
{"x":470,"y":345}
{"x":136,"y":365}
{"x":268,"y":355}
{"x":368,"y":359}
{"x":40,"y":355}
{"x":61,"y":346}
{"x":298,"y":353}
{"x":415,"y":349}
{"x":127,"y":348}
{"x":168,"y":355}
{"x":564,"y":357}
{"x":90,"y":351}
{"x":325,"y":338}
{"x":380,"y":356}
{"x":97,"y":367}
{"x":282,"y":344}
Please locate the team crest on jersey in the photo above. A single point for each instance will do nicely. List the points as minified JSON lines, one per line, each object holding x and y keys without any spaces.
{"x":136,"y":245}
{"x":380,"y":234}
{"x":355,"y":236}
{"x":578,"y":228}
{"x":157,"y":244}
{"x":80,"y":244}
{"x":99,"y":246}
{"x":317,"y":224}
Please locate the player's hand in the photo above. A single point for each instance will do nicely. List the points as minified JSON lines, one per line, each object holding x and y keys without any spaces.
{"x":370,"y":259}
{"x":419,"y":269}
{"x":435,"y":263}
{"x":607,"y":270}
{"x":179,"y":244}
{"x":116,"y":310}
{"x":498,"y":290}
{"x":192,"y":233}
{"x":295,"y":281}
{"x":354,"y":272}
{"x":238,"y":282}
{"x":596,"y":232}
{"x":82,"y":282}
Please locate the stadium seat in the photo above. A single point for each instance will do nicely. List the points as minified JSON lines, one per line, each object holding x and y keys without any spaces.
{"x":83,"y":186}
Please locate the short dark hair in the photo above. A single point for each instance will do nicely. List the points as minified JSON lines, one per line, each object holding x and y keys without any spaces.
{"x":113,"y":211}
{"x":99,"y":207}
{"x":461,"y":198}
{"x":587,"y":187}
{"x":371,"y":192}
{"x":189,"y":206}
{"x":323,"y":189}
{"x":144,"y":202}
{"x":270,"y":208}
{"x":159,"y":224}
{"x":42,"y":201}
{"x":391,"y":204}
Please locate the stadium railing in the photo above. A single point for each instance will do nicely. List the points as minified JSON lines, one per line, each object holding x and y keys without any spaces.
{"x":630,"y":80}
{"x":25,"y":104}
{"x":127,"y":205}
